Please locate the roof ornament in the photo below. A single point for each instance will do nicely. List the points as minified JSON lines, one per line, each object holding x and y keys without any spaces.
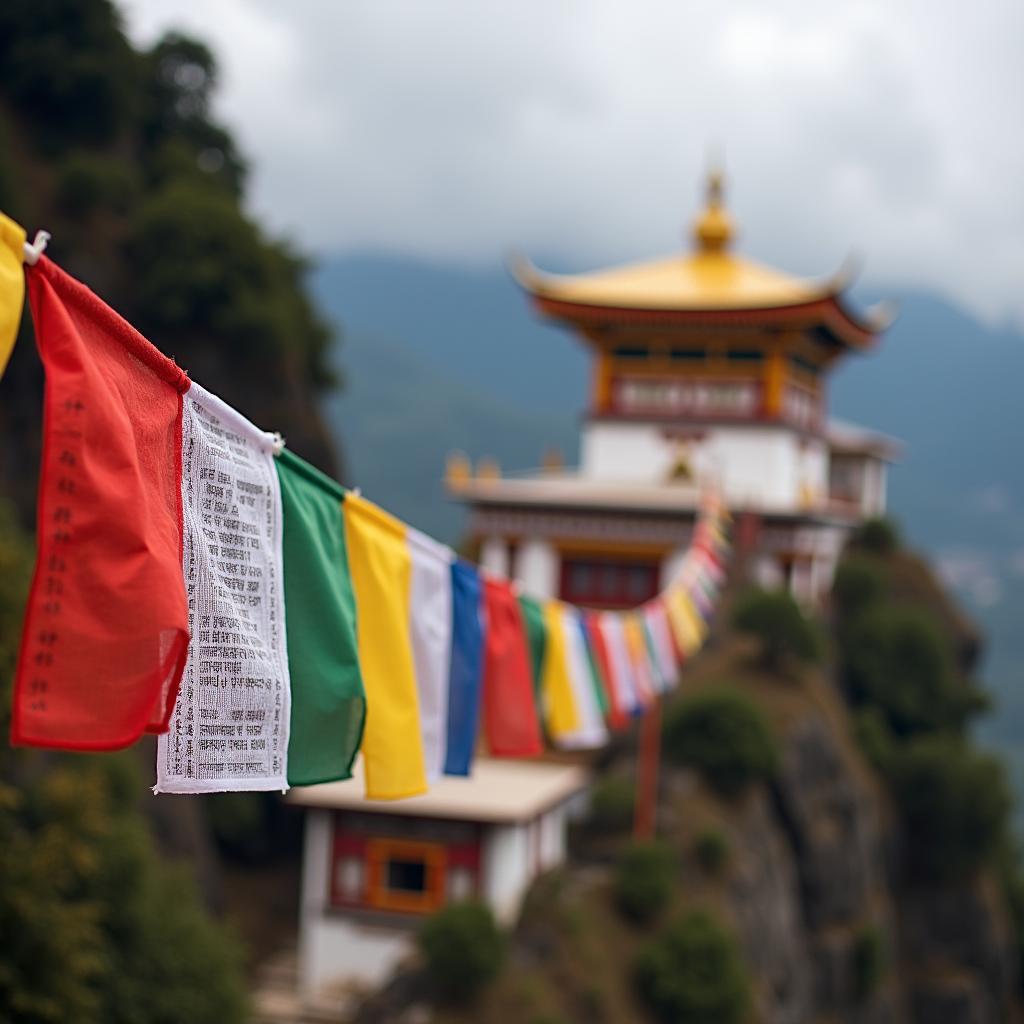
{"x":713,"y":230}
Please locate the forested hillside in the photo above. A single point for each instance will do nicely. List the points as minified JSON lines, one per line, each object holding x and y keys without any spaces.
{"x":115,"y":152}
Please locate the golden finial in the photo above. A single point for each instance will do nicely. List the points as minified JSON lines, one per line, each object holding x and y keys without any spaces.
{"x":552,"y":460}
{"x":713,"y":230}
{"x":488,"y":468}
{"x":458,"y":470}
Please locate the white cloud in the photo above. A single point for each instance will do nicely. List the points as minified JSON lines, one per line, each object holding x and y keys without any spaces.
{"x":578,"y":130}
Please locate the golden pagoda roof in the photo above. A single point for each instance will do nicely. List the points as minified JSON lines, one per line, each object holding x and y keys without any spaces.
{"x":702,"y":280}
{"x":710,"y":279}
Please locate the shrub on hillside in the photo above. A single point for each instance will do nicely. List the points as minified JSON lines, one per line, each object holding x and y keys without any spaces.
{"x":711,"y":849}
{"x":611,"y":804}
{"x":723,"y":735}
{"x":879,"y":536}
{"x":897,"y":661}
{"x":782,"y":631}
{"x":643,"y":881}
{"x":692,"y":974}
{"x":463,"y":950}
{"x":858,"y":584}
{"x":874,"y":737}
{"x":868,"y":960}
{"x":953,"y":803}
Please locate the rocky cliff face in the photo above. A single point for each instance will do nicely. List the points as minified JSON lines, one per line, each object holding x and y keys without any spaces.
{"x":814,"y":890}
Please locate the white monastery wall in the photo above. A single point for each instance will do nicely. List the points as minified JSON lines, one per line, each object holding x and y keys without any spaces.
{"x":506,"y":864}
{"x":494,"y":556}
{"x":765,"y":467}
{"x":537,"y":566}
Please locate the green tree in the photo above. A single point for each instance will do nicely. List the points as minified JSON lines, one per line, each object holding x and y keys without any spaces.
{"x":96,"y":928}
{"x":611,"y":804}
{"x":643,"y":881}
{"x":725,"y":736}
{"x":896,"y":661}
{"x":463,"y":950}
{"x":783,"y":632}
{"x":692,"y":974}
{"x":859,"y":584}
{"x":953,"y":804}
{"x":879,"y":536}
{"x":711,"y":847}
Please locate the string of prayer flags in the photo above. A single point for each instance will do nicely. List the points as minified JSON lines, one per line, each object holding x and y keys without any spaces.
{"x":12,"y":285}
{"x":197,"y":580}
{"x":229,"y":730}
{"x":106,"y":625}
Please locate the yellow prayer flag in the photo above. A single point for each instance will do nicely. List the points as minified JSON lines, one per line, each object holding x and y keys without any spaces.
{"x":561,"y":714}
{"x":688,"y":626}
{"x":381,"y":569}
{"x":12,"y":285}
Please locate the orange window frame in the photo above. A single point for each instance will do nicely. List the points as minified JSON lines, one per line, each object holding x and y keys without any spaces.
{"x":435,"y":859}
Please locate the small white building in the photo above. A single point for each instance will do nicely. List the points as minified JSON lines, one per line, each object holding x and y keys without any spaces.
{"x":373,"y":868}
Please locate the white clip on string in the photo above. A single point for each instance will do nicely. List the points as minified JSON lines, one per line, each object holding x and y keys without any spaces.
{"x":278,"y":443}
{"x":36,"y":248}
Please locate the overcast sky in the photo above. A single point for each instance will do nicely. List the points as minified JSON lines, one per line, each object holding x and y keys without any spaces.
{"x":579,"y":131}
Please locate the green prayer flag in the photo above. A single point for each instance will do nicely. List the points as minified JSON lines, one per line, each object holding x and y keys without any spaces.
{"x":537,"y":638}
{"x":328,"y":701}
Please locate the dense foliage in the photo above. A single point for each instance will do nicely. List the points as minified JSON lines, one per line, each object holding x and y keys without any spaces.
{"x":463,"y":950}
{"x":711,"y":848}
{"x":116,"y":151}
{"x":879,"y":536}
{"x":783,"y":633}
{"x":897,"y":661}
{"x":869,"y":960}
{"x":692,"y":974}
{"x":912,"y":704}
{"x":643,"y":881}
{"x":723,"y":735}
{"x":96,"y":926}
{"x":954,"y":802}
{"x":612,"y":799}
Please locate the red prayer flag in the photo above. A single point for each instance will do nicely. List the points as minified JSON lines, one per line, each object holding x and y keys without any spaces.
{"x":511,"y":725}
{"x":106,"y":625}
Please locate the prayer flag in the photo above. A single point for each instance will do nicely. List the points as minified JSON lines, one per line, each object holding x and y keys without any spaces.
{"x":510,"y":714}
{"x":537,"y":637}
{"x":465,"y":681}
{"x":636,"y":644}
{"x":106,"y":625}
{"x":590,"y":731}
{"x":229,"y":730}
{"x":620,"y":664}
{"x":327,"y":699}
{"x":381,"y":570}
{"x":559,"y":705}
{"x":614,"y":709}
{"x":662,"y":644}
{"x":12,"y":285}
{"x":430,"y":626}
